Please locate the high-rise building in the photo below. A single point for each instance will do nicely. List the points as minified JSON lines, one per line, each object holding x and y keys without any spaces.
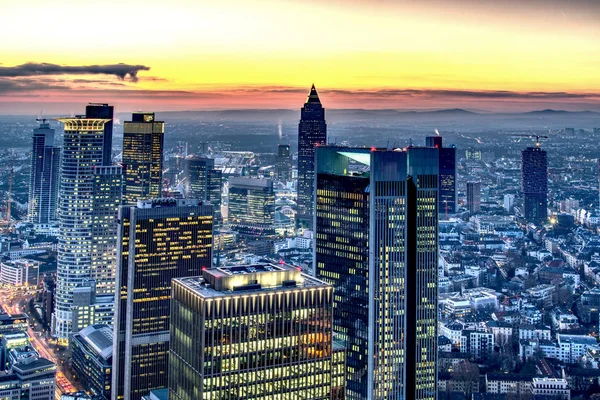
{"x":107,"y":195}
{"x":376,"y":230}
{"x":143,"y":142}
{"x":259,"y":331}
{"x":44,"y":177}
{"x":251,"y":205}
{"x":474,"y":197}
{"x":447,"y":174}
{"x":312,"y":132}
{"x":284,"y":163}
{"x":203,"y":182}
{"x":83,"y":152}
{"x":103,"y":111}
{"x":161,"y":239}
{"x":534,"y":184}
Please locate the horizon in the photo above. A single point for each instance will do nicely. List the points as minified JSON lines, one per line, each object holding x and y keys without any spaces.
{"x":371,"y":54}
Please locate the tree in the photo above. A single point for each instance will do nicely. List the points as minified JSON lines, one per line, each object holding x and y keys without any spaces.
{"x":467,"y":374}
{"x":530,"y":282}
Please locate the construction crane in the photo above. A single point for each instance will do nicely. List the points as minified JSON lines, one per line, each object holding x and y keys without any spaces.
{"x":537,"y":138}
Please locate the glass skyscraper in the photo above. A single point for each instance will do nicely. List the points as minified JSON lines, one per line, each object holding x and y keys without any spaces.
{"x":107,"y":196}
{"x":161,"y":239}
{"x":143,"y":142}
{"x":251,"y":205}
{"x":204,"y":182}
{"x":312,"y":132}
{"x":376,"y":228}
{"x":474,"y":197}
{"x":534,"y":184}
{"x":83,"y":152}
{"x":260,"y":331}
{"x":447,"y":174}
{"x":103,"y":111}
{"x":284,"y":163}
{"x":44,"y":176}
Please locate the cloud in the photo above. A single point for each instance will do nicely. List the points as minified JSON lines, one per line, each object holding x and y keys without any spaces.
{"x":120,"y":70}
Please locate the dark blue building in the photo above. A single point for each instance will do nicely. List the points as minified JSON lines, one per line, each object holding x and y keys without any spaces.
{"x":534,"y":184}
{"x":312,"y":132}
{"x":93,"y":110}
{"x":447,"y":174}
{"x":92,"y":351}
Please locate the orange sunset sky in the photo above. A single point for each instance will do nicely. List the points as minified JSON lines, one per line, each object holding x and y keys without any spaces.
{"x":196,"y":54}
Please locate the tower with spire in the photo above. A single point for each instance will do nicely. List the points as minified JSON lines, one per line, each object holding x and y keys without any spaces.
{"x":312,"y":132}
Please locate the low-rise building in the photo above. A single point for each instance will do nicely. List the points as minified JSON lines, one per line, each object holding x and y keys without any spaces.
{"x":516,"y":384}
{"x":21,"y":272}
{"x":480,"y":344}
{"x":91,"y":350}
{"x":557,"y":388}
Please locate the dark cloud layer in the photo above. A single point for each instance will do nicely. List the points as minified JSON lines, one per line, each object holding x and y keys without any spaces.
{"x":120,"y":70}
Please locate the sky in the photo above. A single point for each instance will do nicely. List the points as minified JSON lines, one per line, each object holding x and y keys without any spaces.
{"x":485,"y":55}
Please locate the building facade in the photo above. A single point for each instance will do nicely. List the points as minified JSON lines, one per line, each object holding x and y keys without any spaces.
{"x":447,"y":174}
{"x":312,"y":132}
{"x":143,"y":143}
{"x":203,"y":182}
{"x":91,"y":350}
{"x":20,"y":272}
{"x":161,"y":239}
{"x":376,"y":243}
{"x":44,"y":176}
{"x":83,"y":152}
{"x":260,"y":331}
{"x":284,"y":163}
{"x":251,"y":205}
{"x":534,"y":184}
{"x":107,"y":196}
{"x":474,"y":197}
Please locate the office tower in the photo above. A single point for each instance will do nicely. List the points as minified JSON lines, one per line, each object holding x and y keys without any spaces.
{"x":162,"y":239}
{"x":204,"y":182}
{"x":474,"y":197}
{"x":447,"y":174}
{"x":534,"y":184}
{"x":312,"y":132}
{"x":92,"y":358}
{"x":82,"y":153}
{"x":376,"y":232}
{"x":259,"y":331}
{"x":251,"y":205}
{"x":103,"y":111}
{"x":107,"y":194}
{"x":284,"y":163}
{"x":44,"y":178}
{"x":143,"y":142}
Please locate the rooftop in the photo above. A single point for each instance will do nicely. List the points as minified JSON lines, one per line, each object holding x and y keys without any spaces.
{"x":243,"y":279}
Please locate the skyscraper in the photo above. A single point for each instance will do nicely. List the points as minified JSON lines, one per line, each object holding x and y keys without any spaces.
{"x":376,"y":243}
{"x":284,"y":163}
{"x":251,"y":205}
{"x":107,"y":195}
{"x":143,"y":142}
{"x":260,"y":331}
{"x":534,"y":183}
{"x":474,"y":196}
{"x":312,"y":132}
{"x":204,"y":182}
{"x":103,"y":111}
{"x":447,"y":174}
{"x":83,"y":152}
{"x":44,"y":177}
{"x":162,"y":239}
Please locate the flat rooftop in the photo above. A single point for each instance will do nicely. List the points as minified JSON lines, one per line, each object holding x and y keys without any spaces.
{"x":253,"y":278}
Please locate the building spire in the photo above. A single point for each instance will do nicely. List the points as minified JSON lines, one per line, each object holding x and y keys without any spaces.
{"x":313,"y":96}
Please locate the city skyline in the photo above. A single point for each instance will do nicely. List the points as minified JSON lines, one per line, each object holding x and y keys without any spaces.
{"x":369,"y":54}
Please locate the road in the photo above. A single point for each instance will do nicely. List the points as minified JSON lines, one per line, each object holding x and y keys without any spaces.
{"x":15,"y":302}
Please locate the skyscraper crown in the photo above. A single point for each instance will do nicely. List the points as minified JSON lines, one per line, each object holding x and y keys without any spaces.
{"x":313,"y":96}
